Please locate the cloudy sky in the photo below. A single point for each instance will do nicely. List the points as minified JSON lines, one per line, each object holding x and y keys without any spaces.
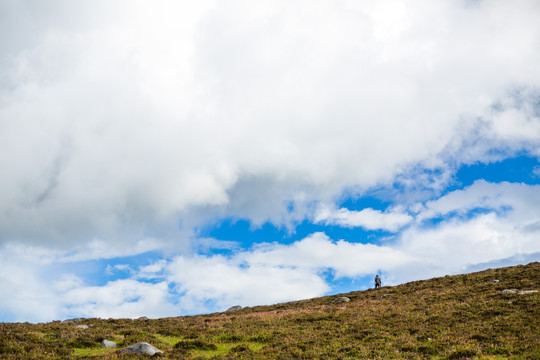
{"x":163,"y":158}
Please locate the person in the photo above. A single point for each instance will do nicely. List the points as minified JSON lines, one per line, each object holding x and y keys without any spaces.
{"x":377,"y":282}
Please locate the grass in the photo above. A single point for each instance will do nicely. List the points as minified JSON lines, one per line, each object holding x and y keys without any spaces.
{"x":92,"y":352}
{"x":453,"y":317}
{"x":169,"y":340}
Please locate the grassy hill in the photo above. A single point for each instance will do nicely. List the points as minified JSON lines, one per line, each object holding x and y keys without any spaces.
{"x":453,"y":317}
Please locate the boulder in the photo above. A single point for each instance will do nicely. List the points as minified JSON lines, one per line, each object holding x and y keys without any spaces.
{"x":234,"y":308}
{"x":342,"y":299}
{"x":519,"y":292}
{"x":143,"y":348}
{"x":108,"y":343}
{"x":72,"y":321}
{"x":495,"y":281}
{"x":82,"y":327}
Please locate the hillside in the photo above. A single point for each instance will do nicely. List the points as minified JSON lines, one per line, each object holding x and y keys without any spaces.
{"x":453,"y":317}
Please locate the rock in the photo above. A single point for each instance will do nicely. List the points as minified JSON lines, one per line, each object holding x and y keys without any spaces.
{"x":519,"y":292}
{"x":72,"y":321}
{"x":234,"y":308}
{"x":108,"y":344}
{"x":509,"y":291}
{"x":342,"y":299}
{"x":142,"y":348}
{"x":142,"y":318}
{"x":82,"y":327}
{"x":495,"y":281}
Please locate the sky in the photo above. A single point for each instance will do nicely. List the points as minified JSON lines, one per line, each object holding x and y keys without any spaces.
{"x":167,"y":158}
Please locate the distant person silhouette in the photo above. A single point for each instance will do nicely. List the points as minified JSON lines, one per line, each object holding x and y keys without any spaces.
{"x":377,"y":282}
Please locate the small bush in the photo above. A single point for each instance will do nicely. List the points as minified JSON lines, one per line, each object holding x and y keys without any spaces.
{"x":240,"y":349}
{"x":350,"y":351}
{"x":82,"y":342}
{"x":426,"y":350}
{"x":194,"y":345}
{"x":232,"y":338}
{"x":497,"y":351}
{"x":462,"y":354}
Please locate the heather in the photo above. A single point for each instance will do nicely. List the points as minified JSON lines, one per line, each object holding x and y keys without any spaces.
{"x":453,"y":317}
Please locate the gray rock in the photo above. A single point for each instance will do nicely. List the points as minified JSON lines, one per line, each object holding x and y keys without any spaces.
{"x":143,"y":348}
{"x":72,"y":321}
{"x":519,"y":292}
{"x":82,"y":327}
{"x":108,"y":344}
{"x":234,"y":308}
{"x":342,"y":299}
{"x":525,"y":292}
{"x":495,"y":281}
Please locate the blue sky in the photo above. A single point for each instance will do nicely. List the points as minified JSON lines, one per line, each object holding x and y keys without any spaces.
{"x":170,"y":158}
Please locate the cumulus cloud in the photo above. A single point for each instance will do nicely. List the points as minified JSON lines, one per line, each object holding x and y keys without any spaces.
{"x":483,"y":223}
{"x":318,"y":252}
{"x":121,"y":298}
{"x":25,"y":295}
{"x":515,"y":201}
{"x":119,"y":119}
{"x":272,"y":272}
{"x":471,"y":229}
{"x":219,"y":282}
{"x":367,"y":218}
{"x":126,"y":126}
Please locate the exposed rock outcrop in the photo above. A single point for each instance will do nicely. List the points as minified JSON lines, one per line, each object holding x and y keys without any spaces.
{"x":73,"y":321}
{"x":519,"y":292}
{"x":143,"y":348}
{"x":108,"y":343}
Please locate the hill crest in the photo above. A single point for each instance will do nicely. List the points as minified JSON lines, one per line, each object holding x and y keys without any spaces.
{"x":451,"y":317}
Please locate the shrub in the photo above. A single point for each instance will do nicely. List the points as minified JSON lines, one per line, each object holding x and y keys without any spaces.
{"x":426,"y":350}
{"x":462,"y":354}
{"x":240,"y":349}
{"x":194,"y":345}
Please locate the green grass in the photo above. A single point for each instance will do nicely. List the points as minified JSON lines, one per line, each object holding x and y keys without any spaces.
{"x":453,"y":317}
{"x":87,"y":352}
{"x":169,"y":340}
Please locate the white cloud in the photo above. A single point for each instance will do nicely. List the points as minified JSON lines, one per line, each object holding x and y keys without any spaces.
{"x":110,"y":270}
{"x":101,"y":249}
{"x":318,"y":252}
{"x":226,"y":282}
{"x":119,"y":121}
{"x":119,"y":124}
{"x":518,"y":201}
{"x":26,"y":293}
{"x":274,"y":273}
{"x":121,"y":298}
{"x":153,"y":270}
{"x":370,"y":219}
{"x":506,"y":226}
{"x":460,"y":240}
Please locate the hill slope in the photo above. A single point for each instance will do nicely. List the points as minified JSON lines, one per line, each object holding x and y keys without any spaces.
{"x":454,"y":317}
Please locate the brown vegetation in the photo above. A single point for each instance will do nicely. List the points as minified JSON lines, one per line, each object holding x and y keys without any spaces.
{"x":454,"y":317}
